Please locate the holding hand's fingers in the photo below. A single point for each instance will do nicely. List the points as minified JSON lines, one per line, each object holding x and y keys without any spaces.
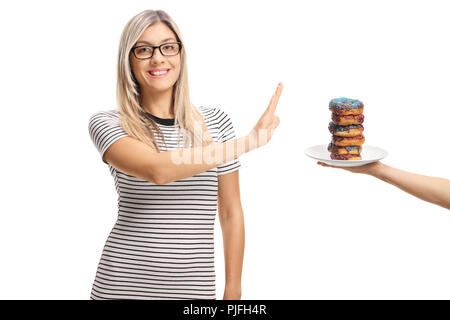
{"x":369,"y":168}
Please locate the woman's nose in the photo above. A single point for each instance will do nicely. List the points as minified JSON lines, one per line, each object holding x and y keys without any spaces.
{"x":157,"y":56}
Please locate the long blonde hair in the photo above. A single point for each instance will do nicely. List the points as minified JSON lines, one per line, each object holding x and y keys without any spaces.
{"x":134,"y":121}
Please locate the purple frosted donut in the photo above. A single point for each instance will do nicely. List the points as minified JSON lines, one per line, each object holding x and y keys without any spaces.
{"x":345,"y":156}
{"x":348,"y":119}
{"x":348,"y":141}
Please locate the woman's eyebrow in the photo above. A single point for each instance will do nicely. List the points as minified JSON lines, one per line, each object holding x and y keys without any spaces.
{"x":160,"y":42}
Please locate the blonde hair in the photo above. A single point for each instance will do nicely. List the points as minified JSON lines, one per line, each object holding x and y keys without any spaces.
{"x":134,"y":121}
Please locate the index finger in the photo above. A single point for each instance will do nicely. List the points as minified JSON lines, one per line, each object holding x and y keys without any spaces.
{"x":276,"y":97}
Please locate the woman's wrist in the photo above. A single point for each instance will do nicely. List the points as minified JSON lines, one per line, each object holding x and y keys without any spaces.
{"x":377,"y":170}
{"x":250,"y":142}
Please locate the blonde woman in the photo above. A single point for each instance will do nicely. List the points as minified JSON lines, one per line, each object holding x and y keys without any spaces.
{"x":158,"y":147}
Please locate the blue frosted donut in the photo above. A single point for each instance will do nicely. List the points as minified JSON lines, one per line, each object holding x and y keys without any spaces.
{"x":345,"y":106}
{"x":345,"y":131}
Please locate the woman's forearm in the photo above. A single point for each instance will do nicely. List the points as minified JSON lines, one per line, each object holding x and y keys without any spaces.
{"x":431,"y":189}
{"x":233,"y":233}
{"x":182,"y":163}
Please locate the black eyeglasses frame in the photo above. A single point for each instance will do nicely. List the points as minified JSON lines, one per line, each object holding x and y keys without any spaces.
{"x":157,"y":47}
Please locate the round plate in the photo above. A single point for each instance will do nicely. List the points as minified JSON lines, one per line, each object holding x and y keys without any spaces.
{"x":368,"y":154}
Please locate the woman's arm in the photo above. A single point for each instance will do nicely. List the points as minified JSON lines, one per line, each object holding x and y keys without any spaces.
{"x":232,"y":222}
{"x":136,"y":158}
{"x":432,"y":189}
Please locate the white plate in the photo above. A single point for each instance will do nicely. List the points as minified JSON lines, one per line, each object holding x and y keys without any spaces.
{"x":368,"y":154}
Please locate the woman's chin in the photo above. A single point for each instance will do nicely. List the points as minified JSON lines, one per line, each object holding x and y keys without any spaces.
{"x":159,"y":88}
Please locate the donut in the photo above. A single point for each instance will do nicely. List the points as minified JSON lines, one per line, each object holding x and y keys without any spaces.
{"x":345,"y":131}
{"x":344,"y":156}
{"x":348,"y":141}
{"x":348,"y":119}
{"x":344,"y":150}
{"x":345,"y":106}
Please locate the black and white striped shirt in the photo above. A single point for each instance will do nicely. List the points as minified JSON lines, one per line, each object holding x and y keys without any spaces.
{"x":162,"y":244}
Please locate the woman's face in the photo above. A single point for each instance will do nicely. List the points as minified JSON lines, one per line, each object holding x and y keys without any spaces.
{"x":156,"y":35}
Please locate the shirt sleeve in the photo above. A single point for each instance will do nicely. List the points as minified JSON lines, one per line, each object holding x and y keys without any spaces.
{"x":104,"y":129}
{"x":226,"y":132}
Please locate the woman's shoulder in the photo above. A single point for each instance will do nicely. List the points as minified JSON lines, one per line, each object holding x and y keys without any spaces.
{"x":104,"y":118}
{"x":111,"y":114}
{"x":219,"y":121}
{"x":207,"y":111}
{"x":213,"y":113}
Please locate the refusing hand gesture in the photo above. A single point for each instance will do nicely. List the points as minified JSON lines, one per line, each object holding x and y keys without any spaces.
{"x":263,"y":131}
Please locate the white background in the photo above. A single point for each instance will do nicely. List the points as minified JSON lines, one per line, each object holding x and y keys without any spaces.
{"x":311,"y":232}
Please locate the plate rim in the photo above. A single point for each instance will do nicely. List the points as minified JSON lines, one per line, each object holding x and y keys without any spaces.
{"x":337,"y":161}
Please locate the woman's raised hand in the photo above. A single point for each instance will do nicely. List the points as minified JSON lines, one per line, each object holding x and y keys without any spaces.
{"x":263,"y":131}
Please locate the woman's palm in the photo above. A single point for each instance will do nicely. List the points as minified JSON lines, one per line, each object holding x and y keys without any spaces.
{"x":265,"y":127}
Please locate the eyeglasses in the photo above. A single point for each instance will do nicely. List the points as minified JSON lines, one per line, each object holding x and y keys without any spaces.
{"x":166,"y":49}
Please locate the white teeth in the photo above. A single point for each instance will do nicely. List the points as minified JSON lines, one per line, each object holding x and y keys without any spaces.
{"x":157,"y":73}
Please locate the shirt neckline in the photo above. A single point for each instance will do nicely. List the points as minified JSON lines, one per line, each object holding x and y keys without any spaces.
{"x":163,"y":121}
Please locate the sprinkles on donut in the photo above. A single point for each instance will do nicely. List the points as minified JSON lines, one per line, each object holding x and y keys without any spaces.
{"x":345,"y":131}
{"x":345,"y":106}
{"x":344,"y":150}
{"x":345,"y":156}
{"x":348,"y":119}
{"x":348,"y":141}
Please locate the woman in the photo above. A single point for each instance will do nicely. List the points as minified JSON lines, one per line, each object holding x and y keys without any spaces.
{"x":161,"y":246}
{"x":431,"y":189}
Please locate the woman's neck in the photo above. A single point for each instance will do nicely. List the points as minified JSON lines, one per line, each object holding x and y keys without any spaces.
{"x":158,"y":104}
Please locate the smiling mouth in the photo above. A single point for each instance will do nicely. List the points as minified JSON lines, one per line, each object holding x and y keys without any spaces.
{"x":158,"y":73}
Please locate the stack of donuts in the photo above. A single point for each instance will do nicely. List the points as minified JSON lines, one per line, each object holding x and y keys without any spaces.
{"x":346,"y":128}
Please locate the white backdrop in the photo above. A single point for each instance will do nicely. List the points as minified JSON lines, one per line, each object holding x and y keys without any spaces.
{"x":311,"y":232}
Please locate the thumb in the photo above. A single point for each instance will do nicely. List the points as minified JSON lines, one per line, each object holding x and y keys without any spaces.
{"x":277,"y":121}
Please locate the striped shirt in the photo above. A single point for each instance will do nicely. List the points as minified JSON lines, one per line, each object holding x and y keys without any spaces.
{"x":162,"y":244}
